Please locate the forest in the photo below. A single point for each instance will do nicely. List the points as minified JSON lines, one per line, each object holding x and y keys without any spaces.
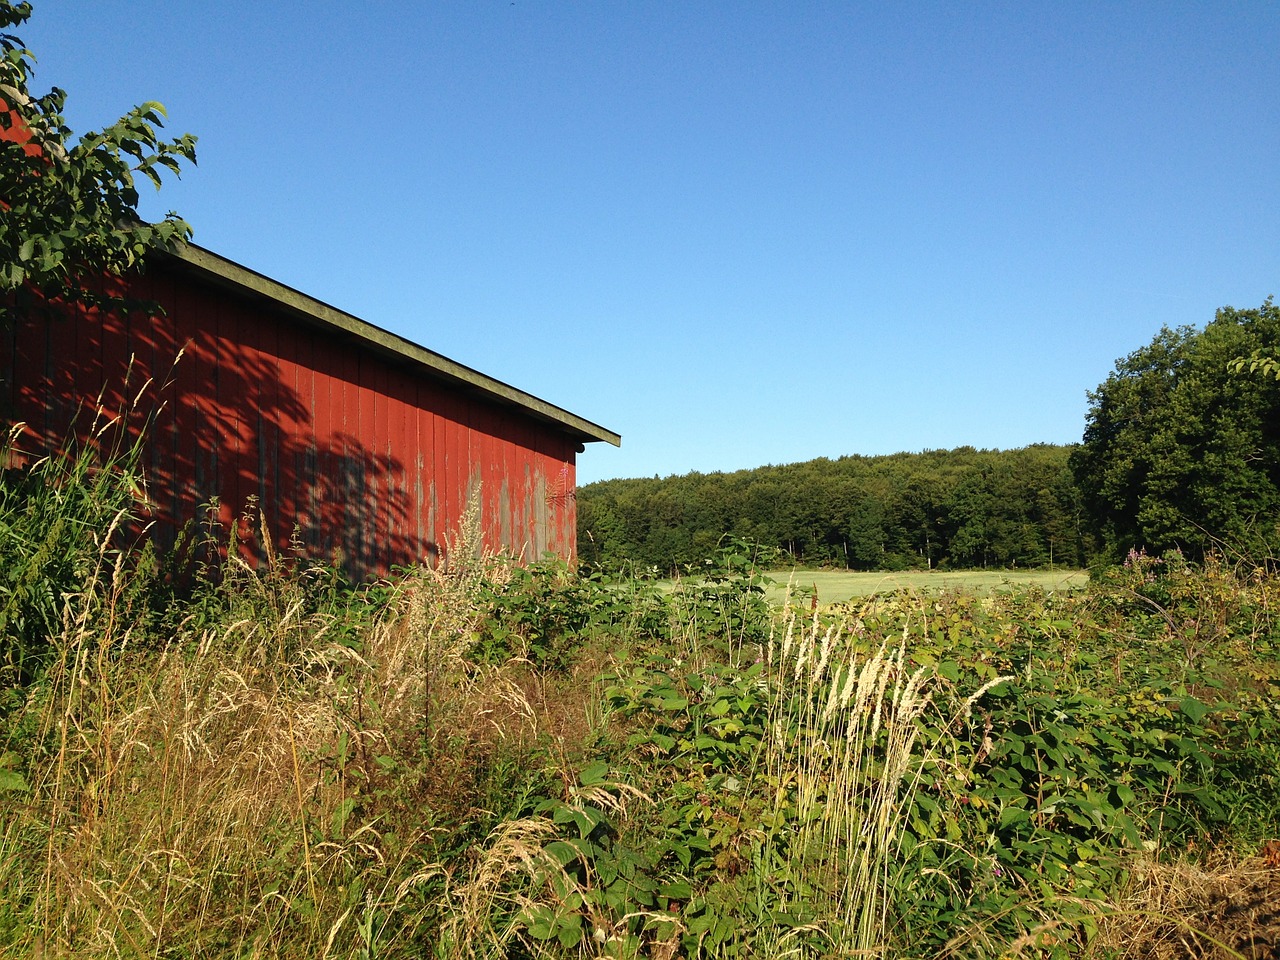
{"x":961,"y":508}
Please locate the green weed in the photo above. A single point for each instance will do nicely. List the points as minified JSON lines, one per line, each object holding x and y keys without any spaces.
{"x":488,"y":760}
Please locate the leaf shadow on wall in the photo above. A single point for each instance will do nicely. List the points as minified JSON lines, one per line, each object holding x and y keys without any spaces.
{"x":241,"y":409}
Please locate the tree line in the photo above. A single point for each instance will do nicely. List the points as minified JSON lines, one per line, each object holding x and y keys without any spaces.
{"x":1181,"y":452}
{"x":959,"y":508}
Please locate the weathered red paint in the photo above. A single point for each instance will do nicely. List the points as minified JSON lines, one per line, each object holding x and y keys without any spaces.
{"x":364,"y":457}
{"x":14,"y":129}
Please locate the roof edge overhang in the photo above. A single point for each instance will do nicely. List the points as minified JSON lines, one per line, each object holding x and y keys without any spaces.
{"x":236,"y":278}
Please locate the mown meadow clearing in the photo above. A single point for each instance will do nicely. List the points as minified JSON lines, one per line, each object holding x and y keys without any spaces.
{"x":507,"y":762}
{"x":838,"y":585}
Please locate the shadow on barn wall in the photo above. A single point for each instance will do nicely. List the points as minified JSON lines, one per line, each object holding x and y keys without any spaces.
{"x":225,"y":421}
{"x":365,"y":447}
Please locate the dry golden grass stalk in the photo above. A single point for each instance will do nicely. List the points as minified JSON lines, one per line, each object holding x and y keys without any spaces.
{"x":203,"y":793}
{"x":1222,"y":910}
{"x":172,"y":777}
{"x":505,"y":877}
{"x":843,"y":729}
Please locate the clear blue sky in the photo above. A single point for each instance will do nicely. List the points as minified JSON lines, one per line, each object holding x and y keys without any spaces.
{"x":736,"y":233}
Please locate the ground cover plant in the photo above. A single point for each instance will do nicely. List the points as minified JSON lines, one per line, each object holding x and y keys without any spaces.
{"x":486,"y":760}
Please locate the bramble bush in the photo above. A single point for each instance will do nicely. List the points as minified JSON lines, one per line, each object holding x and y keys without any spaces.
{"x":506,"y":761}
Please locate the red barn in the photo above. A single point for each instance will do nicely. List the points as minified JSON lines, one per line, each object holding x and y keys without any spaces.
{"x":366,"y":446}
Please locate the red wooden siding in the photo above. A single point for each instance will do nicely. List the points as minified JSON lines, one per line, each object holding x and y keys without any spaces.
{"x":365,"y":458}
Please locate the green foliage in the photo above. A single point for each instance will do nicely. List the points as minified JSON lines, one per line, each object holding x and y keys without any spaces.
{"x":62,"y":523}
{"x":1178,"y":451}
{"x":697,"y":733}
{"x":70,"y":205}
{"x":1258,"y":361}
{"x":957,"y":508}
{"x":543,"y":612}
{"x":605,"y":888}
{"x":554,"y":764}
{"x":1104,"y":749}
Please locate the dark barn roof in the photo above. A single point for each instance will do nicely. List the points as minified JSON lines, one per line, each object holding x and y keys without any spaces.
{"x":345,"y":327}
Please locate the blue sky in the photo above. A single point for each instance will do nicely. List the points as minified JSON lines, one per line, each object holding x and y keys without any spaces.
{"x":736,"y":233}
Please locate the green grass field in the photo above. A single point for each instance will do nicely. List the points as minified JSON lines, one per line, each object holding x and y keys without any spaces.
{"x":834,"y":586}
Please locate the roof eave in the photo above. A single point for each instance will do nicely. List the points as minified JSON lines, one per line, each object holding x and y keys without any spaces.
{"x":240,"y":279}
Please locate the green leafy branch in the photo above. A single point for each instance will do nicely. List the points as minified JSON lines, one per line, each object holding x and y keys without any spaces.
{"x":1256,"y":362}
{"x":70,"y":205}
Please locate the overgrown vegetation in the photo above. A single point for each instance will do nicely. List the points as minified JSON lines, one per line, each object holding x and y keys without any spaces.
{"x":493,"y":761}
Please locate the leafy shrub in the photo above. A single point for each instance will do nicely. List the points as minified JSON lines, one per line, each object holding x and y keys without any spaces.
{"x":543,"y":612}
{"x":494,"y":762}
{"x":65,"y":522}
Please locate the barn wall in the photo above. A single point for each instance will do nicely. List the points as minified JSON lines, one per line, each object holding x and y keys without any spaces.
{"x":362,"y":459}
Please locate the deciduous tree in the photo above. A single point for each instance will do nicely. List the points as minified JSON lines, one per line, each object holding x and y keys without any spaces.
{"x":1182,"y":452}
{"x":68,"y":205}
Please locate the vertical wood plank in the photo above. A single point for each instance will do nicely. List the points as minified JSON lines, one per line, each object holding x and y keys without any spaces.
{"x":366,"y":456}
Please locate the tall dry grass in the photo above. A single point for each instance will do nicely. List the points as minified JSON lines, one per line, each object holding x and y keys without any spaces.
{"x":258,"y":783}
{"x":843,"y":749}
